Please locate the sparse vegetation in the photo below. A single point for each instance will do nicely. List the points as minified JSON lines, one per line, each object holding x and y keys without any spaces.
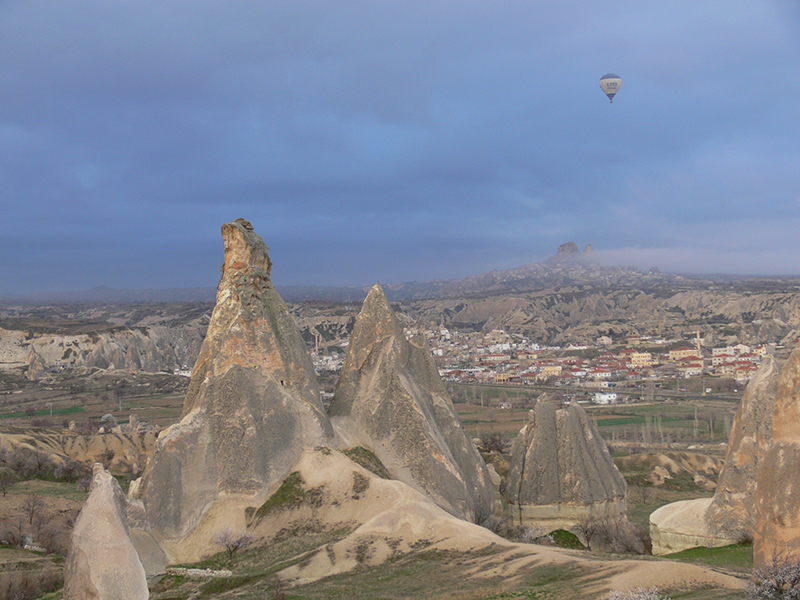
{"x":368,"y":460}
{"x":360,"y":483}
{"x":291,"y":494}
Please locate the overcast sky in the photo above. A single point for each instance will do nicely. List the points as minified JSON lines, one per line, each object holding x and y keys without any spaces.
{"x":372,"y":140}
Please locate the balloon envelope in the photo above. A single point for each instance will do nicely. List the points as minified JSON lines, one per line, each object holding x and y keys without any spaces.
{"x":610,"y":85}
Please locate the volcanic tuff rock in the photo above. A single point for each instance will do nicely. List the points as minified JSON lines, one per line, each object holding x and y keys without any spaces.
{"x":731,"y":512}
{"x":777,"y":520}
{"x":253,"y":402}
{"x":728,"y":517}
{"x":150,"y":349}
{"x":391,"y":399}
{"x":102,"y":562}
{"x":561,"y":469}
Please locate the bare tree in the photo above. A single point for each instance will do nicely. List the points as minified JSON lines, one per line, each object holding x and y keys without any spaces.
{"x":7,"y":479}
{"x":586,"y":528}
{"x":32,"y":506}
{"x":232,"y":541}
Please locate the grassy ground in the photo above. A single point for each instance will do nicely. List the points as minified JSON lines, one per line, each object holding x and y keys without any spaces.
{"x":736,"y":558}
{"x":436,"y":575}
{"x":155,"y":397}
{"x":690,"y":420}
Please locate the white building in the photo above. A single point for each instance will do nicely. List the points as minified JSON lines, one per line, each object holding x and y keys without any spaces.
{"x":604,"y":397}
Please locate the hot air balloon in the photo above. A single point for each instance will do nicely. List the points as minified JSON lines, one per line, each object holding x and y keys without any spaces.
{"x":610,"y":85}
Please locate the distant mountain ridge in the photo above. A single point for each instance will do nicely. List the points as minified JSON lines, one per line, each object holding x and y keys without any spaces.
{"x":569,"y":266}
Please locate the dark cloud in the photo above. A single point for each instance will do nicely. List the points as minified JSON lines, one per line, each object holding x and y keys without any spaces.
{"x":388,"y":141}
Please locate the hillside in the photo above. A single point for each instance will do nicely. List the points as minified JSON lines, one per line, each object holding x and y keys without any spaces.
{"x":568,"y":298}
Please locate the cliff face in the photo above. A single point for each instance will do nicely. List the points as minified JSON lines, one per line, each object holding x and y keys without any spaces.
{"x":156,"y":348}
{"x":732,"y":510}
{"x":391,"y":400}
{"x":777,"y":520}
{"x":253,"y":403}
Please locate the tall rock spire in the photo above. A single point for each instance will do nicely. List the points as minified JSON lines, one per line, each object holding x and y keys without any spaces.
{"x":391,"y":399}
{"x":777,"y":519}
{"x":253,"y":403}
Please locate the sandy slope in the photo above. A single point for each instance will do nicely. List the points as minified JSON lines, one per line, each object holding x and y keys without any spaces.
{"x":390,"y":518}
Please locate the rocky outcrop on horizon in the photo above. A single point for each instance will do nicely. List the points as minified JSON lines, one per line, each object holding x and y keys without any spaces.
{"x":731,"y":512}
{"x":102,"y":562}
{"x":391,"y":400}
{"x":561,"y":471}
{"x":569,"y":253}
{"x":777,"y":518}
{"x":252,"y":406}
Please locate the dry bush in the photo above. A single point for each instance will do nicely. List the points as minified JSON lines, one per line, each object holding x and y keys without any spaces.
{"x":7,"y":479}
{"x":496,"y":442}
{"x":13,"y":530}
{"x":779,"y":578}
{"x":638,"y":594}
{"x":54,"y":537}
{"x":71,"y":471}
{"x":616,"y":536}
{"x":27,"y":463}
{"x":537,"y":535}
{"x":28,"y":585}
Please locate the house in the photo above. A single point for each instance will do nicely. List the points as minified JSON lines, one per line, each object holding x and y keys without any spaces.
{"x":750,"y":357}
{"x":690,"y":369}
{"x":642,"y":359}
{"x":604,"y":397}
{"x":600,"y":374}
{"x":551,"y":371}
{"x":493,"y":358}
{"x":596,"y":384}
{"x":680,"y":353}
{"x":501,"y":377}
{"x":744,"y":373}
{"x":725,"y":368}
{"x":718,"y":359}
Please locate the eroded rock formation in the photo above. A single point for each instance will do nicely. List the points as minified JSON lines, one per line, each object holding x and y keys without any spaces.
{"x":731,"y":512}
{"x":777,"y":520}
{"x":253,"y":403}
{"x":102,"y":562}
{"x":728,"y":517}
{"x":561,"y":470}
{"x":391,"y":400}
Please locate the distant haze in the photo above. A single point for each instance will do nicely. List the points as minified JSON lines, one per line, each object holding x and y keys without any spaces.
{"x":372,"y":141}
